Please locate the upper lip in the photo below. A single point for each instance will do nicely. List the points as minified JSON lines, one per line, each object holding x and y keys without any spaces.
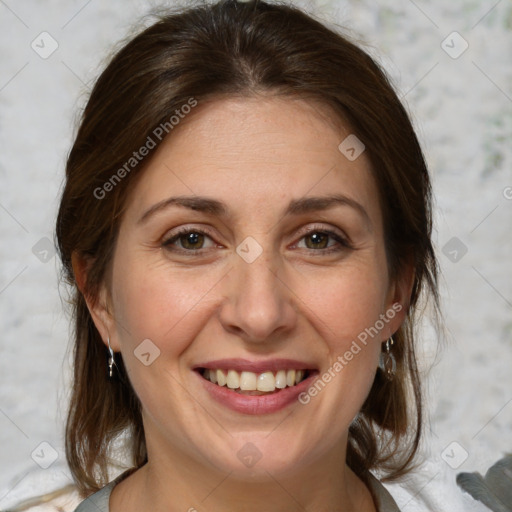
{"x":245,"y":365}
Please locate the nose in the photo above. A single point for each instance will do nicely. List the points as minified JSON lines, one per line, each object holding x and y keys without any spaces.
{"x":259,"y":306}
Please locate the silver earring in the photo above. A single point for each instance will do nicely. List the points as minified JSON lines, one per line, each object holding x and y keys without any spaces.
{"x":110,"y":358}
{"x":387,"y":361}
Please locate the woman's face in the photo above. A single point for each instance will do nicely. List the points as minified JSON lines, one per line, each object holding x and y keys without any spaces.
{"x":252,"y":247}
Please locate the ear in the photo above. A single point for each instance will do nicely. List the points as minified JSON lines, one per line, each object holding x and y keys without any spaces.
{"x":98,"y":305}
{"x":399,"y":298}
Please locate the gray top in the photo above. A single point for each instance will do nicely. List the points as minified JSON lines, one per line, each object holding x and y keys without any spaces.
{"x":99,"y":501}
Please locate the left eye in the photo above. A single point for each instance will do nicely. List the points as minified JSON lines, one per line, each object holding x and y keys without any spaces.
{"x":315,"y":240}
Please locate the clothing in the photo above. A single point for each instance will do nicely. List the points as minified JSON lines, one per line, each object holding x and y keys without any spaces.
{"x":99,"y":501}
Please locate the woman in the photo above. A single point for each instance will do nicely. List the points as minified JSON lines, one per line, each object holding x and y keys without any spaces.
{"x":246,"y":225}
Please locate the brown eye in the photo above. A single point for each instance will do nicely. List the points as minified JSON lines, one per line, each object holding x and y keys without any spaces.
{"x":318,"y":240}
{"x":323,"y":242}
{"x":192,"y":240}
{"x":188,"y":241}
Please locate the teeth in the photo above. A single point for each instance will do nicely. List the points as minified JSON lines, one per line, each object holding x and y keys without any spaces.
{"x":266,"y":382}
{"x":281,"y":379}
{"x":221,"y":377}
{"x":233,"y":379}
{"x":249,"y":381}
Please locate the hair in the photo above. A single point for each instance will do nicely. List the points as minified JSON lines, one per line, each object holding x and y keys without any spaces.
{"x":207,"y":52}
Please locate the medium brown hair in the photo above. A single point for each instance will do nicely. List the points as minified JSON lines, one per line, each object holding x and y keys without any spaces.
{"x":209,"y":51}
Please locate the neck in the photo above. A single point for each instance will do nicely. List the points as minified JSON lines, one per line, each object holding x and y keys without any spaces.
{"x":188,"y":485}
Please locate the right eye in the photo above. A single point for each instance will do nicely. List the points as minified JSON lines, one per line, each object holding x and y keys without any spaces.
{"x":187,"y":240}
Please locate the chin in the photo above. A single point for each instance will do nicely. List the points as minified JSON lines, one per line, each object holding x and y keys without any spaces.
{"x":253,"y":458}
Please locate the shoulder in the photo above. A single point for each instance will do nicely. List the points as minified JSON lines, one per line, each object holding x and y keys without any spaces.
{"x":64,"y":499}
{"x":383,"y":498}
{"x":431,"y":487}
{"x":52,"y":490}
{"x":97,"y":502}
{"x":40,"y":490}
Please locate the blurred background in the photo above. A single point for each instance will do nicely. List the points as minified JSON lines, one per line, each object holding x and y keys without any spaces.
{"x":452,"y":67}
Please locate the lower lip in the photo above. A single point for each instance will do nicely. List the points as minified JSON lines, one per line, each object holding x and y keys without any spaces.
{"x":264,"y":404}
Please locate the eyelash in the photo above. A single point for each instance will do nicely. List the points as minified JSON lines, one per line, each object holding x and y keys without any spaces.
{"x":343,"y":243}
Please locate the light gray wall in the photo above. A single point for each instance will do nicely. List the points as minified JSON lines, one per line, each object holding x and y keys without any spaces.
{"x":462,"y":108}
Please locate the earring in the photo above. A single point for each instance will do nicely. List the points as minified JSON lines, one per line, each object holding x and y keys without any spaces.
{"x":110,"y":358}
{"x":387,"y":361}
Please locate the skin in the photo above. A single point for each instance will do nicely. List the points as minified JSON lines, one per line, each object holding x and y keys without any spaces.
{"x":296,"y":300}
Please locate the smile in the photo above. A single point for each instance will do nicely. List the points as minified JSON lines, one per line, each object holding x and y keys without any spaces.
{"x":254,"y":384}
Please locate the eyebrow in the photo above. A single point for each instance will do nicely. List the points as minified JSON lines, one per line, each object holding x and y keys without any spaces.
{"x":220,"y":209}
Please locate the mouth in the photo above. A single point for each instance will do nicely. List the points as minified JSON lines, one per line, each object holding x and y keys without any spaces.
{"x":255,"y":383}
{"x":255,"y":387}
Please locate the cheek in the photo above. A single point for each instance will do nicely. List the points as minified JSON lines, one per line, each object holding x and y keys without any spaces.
{"x":348,"y":302}
{"x":344,"y":312}
{"x":348,"y":306}
{"x":159,"y":303}
{"x":163,"y":305}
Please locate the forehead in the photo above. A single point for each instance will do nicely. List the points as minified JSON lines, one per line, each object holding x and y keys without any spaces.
{"x":257,"y":152}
